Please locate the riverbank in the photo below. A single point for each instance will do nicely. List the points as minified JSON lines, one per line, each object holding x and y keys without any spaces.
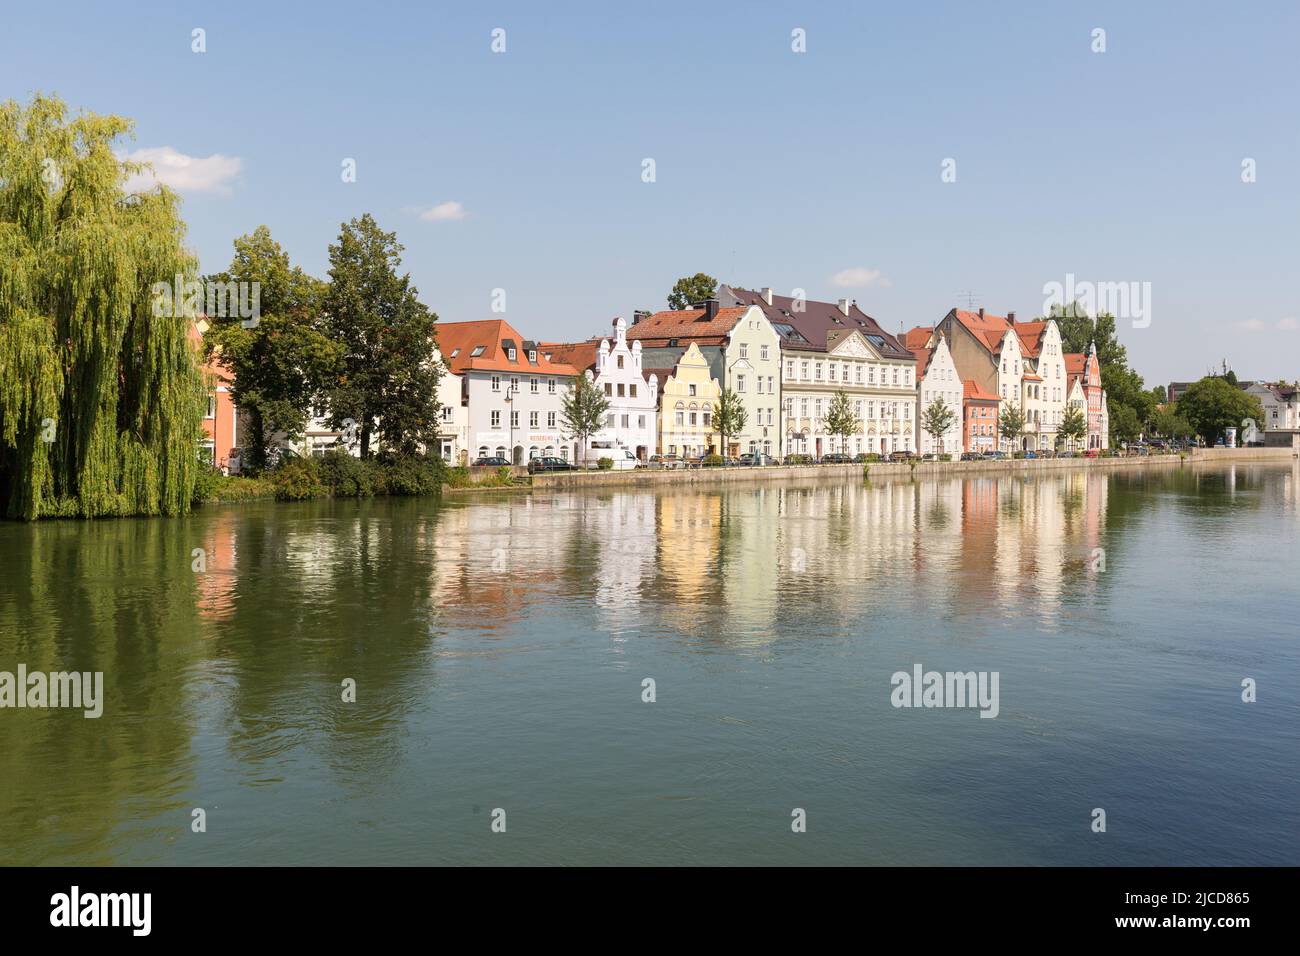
{"x":795,"y":474}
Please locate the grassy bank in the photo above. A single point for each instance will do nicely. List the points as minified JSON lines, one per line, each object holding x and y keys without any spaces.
{"x":336,"y":475}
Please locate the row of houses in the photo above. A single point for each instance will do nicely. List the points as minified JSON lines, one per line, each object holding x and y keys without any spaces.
{"x":784,"y":358}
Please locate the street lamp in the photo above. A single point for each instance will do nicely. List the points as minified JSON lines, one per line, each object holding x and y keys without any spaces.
{"x":510,"y":397}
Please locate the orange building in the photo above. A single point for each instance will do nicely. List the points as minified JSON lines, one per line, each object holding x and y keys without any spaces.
{"x":979,"y":412}
{"x":220,"y":417}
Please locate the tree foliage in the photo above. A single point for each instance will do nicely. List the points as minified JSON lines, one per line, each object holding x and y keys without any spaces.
{"x":583,"y":411}
{"x":691,"y":289}
{"x":1011,"y":423}
{"x":730,"y":418}
{"x":388,"y":377}
{"x":937,"y":418}
{"x":840,"y":419}
{"x":1073,"y":426}
{"x":101,"y":400}
{"x":282,"y":364}
{"x":1214,"y":404}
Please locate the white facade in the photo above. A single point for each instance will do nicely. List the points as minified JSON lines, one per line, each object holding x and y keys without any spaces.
{"x":940,"y":381}
{"x":516,"y":415}
{"x":1281,"y":405}
{"x":630,"y":422}
{"x":453,"y":418}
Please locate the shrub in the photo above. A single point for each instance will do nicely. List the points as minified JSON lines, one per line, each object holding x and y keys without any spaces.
{"x":945,"y":457}
{"x":712,"y":461}
{"x":872,"y":457}
{"x":348,"y":477}
{"x":605,"y":464}
{"x":297,"y":480}
{"x":205,"y":483}
{"x":417,"y":476}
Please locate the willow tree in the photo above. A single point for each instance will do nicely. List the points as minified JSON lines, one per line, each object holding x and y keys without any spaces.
{"x":101,"y":400}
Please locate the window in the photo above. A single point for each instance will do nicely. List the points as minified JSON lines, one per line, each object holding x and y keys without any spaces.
{"x":620,"y":361}
{"x":803,"y":408}
{"x":510,"y":354}
{"x":680,"y":418}
{"x":496,"y":419}
{"x":744,"y":351}
{"x":621,"y":390}
{"x":640,"y":421}
{"x":609,"y":390}
{"x":691,"y":390}
{"x":514,"y":419}
{"x":771,"y":390}
{"x":532,"y":419}
{"x":532,"y":356}
{"x":762,"y":352}
{"x":478,"y":350}
{"x":532,"y":385}
{"x":446,"y":413}
{"x":454,"y":353}
{"x":631,"y":390}
{"x":789,"y":370}
{"x":803,"y":371}
{"x":496,"y":383}
{"x":625,"y":418}
{"x":857,"y":374}
{"x":740,"y":383}
{"x":550,"y":419}
{"x":708,"y":419}
{"x":817,"y":371}
{"x":501,"y":452}
{"x":692,"y":414}
{"x":212,"y":407}
{"x":550,"y":386}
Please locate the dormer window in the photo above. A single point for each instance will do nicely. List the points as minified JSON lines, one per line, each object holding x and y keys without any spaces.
{"x":510,"y":354}
{"x":478,"y":350}
{"x":532,"y":356}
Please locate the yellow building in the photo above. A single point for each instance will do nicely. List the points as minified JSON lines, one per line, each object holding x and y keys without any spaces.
{"x":688,"y":399}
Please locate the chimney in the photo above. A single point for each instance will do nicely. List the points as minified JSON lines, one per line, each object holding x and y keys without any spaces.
{"x":981,"y":311}
{"x":710,"y":307}
{"x":638,"y":315}
{"x":1011,"y":317}
{"x":844,"y":306}
{"x":766,"y":293}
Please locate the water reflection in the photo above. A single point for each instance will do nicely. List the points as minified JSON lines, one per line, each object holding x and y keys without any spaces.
{"x":231,"y":677}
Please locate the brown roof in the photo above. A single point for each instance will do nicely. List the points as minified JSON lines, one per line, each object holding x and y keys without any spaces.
{"x":689,"y":324}
{"x":581,"y":355}
{"x":1031,"y":337}
{"x":809,"y":327}
{"x":495,"y":337}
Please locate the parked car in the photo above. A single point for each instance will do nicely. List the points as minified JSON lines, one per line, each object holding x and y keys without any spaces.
{"x":1065,"y":453}
{"x":756,"y":460}
{"x":622,"y":458}
{"x":1092,"y":453}
{"x":666,"y":461}
{"x":490,"y":461}
{"x":547,"y":463}
{"x":901,"y":455}
{"x":1031,"y":454}
{"x":972,"y":456}
{"x":836,"y":459}
{"x":931,"y":456}
{"x":995,"y":456}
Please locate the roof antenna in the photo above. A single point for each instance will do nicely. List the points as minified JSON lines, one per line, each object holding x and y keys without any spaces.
{"x":970,"y":296}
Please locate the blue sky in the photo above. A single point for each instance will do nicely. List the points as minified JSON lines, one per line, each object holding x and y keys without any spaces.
{"x":772,"y":167}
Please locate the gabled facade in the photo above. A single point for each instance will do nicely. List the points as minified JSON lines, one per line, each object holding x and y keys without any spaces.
{"x":614,"y":367}
{"x":979,"y":419}
{"x":512,"y":390}
{"x":1083,"y":373}
{"x":937,"y":378}
{"x":688,"y":397}
{"x":1281,"y":405}
{"x":743,"y":354}
{"x":828,"y":347}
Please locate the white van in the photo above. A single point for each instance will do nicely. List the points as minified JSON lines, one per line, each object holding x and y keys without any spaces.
{"x":622,"y":457}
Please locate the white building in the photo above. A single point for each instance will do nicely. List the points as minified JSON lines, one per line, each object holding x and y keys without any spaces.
{"x":512,"y":392}
{"x":453,"y":417}
{"x":937,"y":378}
{"x":1281,"y":405}
{"x":615,"y":368}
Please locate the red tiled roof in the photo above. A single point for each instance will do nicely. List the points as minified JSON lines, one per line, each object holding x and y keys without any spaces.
{"x":689,"y":324}
{"x":923,"y":356}
{"x":918,"y":337}
{"x":972,"y":392}
{"x":1074,"y":363}
{"x":1031,"y":337}
{"x":463,"y":338}
{"x":814,"y":322}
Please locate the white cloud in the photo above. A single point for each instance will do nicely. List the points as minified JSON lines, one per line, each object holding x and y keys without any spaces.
{"x":1259,"y":325}
{"x":185,"y":174}
{"x":860,"y":278}
{"x":444,"y":212}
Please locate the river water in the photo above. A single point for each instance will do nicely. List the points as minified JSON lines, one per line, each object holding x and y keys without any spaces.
{"x":501,"y":647}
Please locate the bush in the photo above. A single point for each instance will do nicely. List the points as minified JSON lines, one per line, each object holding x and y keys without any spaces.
{"x":945,"y":457}
{"x":712,"y":461}
{"x":298,"y":479}
{"x":348,"y":477}
{"x":205,"y":483}
{"x":798,"y":460}
{"x":872,"y":457}
{"x":417,"y":476}
{"x":605,"y":464}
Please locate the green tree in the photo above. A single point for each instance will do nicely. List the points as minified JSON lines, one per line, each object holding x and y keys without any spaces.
{"x":1073,"y":427}
{"x":583,"y":411}
{"x":1158,"y":395}
{"x":691,"y":289}
{"x":287,"y":359}
{"x":730,"y":418}
{"x":1213,"y":404}
{"x":937,"y":419}
{"x":840,"y":419}
{"x":387,"y":381}
{"x":1124,"y":424}
{"x":101,"y":394}
{"x":1169,"y":423}
{"x":1011,"y":425}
